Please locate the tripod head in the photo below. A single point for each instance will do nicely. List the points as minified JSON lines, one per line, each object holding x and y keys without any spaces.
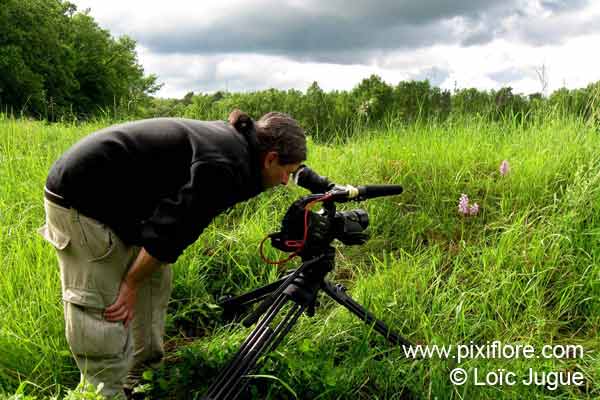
{"x":310,"y":233}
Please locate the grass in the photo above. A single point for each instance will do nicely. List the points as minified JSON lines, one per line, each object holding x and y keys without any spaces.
{"x":524,"y":270}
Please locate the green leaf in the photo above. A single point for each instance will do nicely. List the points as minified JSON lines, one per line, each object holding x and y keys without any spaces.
{"x":305,"y":346}
{"x":148,"y":375}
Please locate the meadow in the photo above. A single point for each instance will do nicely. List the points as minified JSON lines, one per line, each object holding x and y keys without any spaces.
{"x":523,"y":270}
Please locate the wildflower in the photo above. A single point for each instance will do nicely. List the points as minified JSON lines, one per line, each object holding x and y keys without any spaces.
{"x":465,"y":208}
{"x":474,"y":209}
{"x":463,"y":204}
{"x":504,"y":168}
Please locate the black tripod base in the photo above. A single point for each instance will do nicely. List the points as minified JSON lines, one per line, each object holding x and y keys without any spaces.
{"x":296,"y":298}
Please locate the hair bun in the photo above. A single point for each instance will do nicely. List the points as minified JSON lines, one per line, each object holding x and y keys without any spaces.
{"x":241,"y":121}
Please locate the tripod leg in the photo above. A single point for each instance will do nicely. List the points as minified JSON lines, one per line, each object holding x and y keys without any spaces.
{"x":280,"y":332}
{"x":250,"y":341}
{"x":338,"y":293}
{"x":262,"y":340}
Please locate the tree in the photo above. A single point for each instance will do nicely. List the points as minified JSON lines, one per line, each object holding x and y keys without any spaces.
{"x":316,"y":109}
{"x":56,"y":62}
{"x":374,"y":97}
{"x":412,"y":100}
{"x":471,"y":102}
{"x":36,"y":64}
{"x":107,"y":70}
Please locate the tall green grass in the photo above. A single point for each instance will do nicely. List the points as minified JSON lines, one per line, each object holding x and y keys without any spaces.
{"x":524,"y":270}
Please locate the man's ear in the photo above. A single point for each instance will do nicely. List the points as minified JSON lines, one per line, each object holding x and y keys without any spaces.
{"x":270,"y":158}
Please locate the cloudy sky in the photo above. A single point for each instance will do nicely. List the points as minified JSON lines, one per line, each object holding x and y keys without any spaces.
{"x":246,"y":45}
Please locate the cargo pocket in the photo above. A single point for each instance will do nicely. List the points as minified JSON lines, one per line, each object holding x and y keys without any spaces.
{"x":98,"y":238}
{"x":54,"y":236}
{"x":90,"y":335}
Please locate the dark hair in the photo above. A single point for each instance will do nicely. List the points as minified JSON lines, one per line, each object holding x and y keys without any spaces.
{"x":275,"y":131}
{"x":240,"y":121}
{"x":279,"y":132}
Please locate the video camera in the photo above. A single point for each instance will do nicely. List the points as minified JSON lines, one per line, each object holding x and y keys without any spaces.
{"x":308,"y":233}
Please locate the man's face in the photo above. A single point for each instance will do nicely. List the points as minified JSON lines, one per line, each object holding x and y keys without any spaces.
{"x":273,"y":173}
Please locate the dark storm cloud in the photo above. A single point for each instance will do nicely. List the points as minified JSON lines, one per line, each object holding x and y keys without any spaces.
{"x":320,"y":38}
{"x":352,"y":32}
{"x":324,"y":31}
{"x":479,"y":36}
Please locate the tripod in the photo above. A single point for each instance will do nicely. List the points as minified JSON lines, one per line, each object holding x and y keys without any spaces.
{"x":299,"y":290}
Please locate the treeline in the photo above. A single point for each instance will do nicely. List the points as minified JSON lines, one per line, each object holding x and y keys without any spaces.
{"x":57,"y":63}
{"x":374,"y":103}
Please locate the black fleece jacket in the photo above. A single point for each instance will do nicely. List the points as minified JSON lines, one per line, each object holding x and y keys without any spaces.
{"x":159,"y":182}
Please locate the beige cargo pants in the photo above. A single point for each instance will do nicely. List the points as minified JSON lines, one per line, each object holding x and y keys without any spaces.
{"x":93,"y":262}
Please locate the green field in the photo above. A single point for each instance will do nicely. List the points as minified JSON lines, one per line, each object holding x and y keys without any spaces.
{"x":524,"y":270}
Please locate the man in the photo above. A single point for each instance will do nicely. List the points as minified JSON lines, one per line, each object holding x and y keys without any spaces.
{"x":124,"y":202}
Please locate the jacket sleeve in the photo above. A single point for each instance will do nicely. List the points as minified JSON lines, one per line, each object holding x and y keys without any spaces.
{"x":178,"y":220}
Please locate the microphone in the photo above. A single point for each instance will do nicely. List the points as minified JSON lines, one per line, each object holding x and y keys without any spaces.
{"x":346,"y":193}
{"x":309,"y":179}
{"x":371,"y":191}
